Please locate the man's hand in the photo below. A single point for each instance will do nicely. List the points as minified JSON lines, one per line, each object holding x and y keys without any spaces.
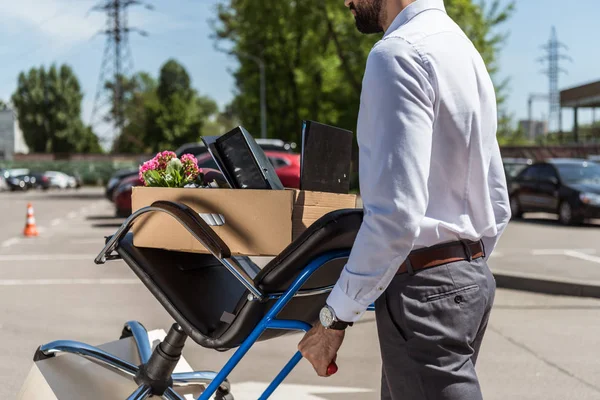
{"x":320,"y":346}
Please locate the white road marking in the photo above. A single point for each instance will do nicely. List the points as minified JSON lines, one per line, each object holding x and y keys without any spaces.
{"x":55,"y":222}
{"x":582,"y":256}
{"x":72,"y":215}
{"x":559,"y":252}
{"x":10,"y":242}
{"x":496,"y":254}
{"x":253,"y":390}
{"x":47,"y":282}
{"x":46,"y":257}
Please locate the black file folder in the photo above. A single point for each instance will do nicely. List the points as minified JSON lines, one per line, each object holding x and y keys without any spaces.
{"x":326,"y":158}
{"x":242,"y":161}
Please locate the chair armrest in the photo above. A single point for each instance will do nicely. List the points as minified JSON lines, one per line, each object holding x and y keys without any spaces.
{"x":197,"y":227}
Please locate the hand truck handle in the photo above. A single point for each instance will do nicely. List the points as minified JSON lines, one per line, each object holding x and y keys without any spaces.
{"x":332,"y":368}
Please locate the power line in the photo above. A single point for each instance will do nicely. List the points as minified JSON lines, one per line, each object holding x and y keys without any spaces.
{"x":117,"y":61}
{"x":552,"y":59}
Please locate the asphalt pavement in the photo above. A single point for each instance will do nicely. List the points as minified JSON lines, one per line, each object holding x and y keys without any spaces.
{"x":538,"y":346}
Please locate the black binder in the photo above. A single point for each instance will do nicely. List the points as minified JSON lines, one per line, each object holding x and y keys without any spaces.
{"x":242,"y":161}
{"x":326,"y":158}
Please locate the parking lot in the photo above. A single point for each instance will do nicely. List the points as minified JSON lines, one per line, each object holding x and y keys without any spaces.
{"x":537,"y":346}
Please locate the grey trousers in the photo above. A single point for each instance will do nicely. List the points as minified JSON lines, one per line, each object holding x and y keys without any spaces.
{"x":430,"y":328}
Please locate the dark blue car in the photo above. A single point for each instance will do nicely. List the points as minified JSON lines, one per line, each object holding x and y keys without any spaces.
{"x":569,"y":188}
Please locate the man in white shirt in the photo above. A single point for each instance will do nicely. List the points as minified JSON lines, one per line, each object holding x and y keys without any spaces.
{"x":434,"y":188}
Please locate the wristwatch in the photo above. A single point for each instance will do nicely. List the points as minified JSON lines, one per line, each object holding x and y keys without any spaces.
{"x":330,"y":321}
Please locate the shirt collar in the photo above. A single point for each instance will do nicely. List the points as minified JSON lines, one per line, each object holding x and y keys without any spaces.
{"x":412,"y":10}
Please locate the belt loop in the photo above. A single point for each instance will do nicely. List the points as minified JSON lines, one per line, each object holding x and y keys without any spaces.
{"x":467,"y":250}
{"x":409,"y":266}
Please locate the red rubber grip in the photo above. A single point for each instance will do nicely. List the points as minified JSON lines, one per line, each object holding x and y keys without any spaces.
{"x":332,"y":369}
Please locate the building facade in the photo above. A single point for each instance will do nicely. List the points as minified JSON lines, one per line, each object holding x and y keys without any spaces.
{"x":11,"y":138}
{"x":533,"y":129}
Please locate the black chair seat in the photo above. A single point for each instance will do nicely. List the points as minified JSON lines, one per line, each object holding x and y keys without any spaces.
{"x":212,"y":306}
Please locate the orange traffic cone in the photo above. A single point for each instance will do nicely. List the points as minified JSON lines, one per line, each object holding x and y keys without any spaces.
{"x":30,"y":228}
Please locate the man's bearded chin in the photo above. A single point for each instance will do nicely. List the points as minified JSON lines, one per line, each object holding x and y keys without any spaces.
{"x":368,"y":16}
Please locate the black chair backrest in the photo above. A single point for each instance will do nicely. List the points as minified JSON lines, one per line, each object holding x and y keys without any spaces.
{"x":335,"y":231}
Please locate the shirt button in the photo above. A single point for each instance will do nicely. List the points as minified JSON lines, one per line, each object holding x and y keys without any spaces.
{"x":458,"y":299}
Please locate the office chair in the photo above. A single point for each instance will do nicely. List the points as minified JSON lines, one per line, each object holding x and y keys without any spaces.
{"x":220,"y":301}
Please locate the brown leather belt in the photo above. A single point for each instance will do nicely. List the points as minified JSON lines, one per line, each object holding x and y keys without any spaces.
{"x":442,"y":254}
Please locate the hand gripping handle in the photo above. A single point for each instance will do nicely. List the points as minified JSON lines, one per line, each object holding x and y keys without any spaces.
{"x":332,"y":368}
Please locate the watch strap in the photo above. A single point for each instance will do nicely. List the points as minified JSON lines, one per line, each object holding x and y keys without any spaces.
{"x":340,"y":325}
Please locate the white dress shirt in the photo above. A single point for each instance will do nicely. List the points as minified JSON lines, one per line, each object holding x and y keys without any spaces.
{"x":430,"y":168}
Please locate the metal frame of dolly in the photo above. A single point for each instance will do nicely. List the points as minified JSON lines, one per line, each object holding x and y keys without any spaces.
{"x":270,"y":321}
{"x":213,"y":379}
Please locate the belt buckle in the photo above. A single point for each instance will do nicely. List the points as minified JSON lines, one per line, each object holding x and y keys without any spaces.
{"x":467,"y":250}
{"x":409,"y":266}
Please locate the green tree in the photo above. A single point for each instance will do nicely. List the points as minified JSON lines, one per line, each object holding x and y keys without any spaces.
{"x":221,"y":122}
{"x":180,"y":113}
{"x":48,"y":105}
{"x":164,"y":113}
{"x":3,"y":105}
{"x":139,"y":96}
{"x":315,"y":57}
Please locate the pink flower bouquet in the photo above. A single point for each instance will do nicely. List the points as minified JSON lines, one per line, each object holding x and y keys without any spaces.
{"x":166,"y":170}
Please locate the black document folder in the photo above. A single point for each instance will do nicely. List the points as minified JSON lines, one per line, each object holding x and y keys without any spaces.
{"x":242,"y":161}
{"x":326,"y":158}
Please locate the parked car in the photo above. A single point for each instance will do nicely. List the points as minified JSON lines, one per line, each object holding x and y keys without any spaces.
{"x":3,"y":185}
{"x":594,"y":158}
{"x":39,"y":180}
{"x":15,"y":172}
{"x":197,"y":149}
{"x":569,"y":188}
{"x":122,"y":195}
{"x":61,"y":180}
{"x":116,"y":179}
{"x":287,"y":166}
{"x":18,"y":182}
{"x":513,"y":166}
{"x":31,"y":180}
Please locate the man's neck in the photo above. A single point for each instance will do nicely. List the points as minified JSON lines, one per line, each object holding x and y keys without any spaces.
{"x":393,"y":8}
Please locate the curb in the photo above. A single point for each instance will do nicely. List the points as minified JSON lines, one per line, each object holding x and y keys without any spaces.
{"x":555,"y":286}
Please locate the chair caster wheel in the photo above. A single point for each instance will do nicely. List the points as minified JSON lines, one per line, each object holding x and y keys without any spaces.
{"x":220,"y":395}
{"x":224,"y":391}
{"x":39,"y":355}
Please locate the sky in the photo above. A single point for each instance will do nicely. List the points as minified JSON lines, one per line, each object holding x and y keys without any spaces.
{"x":41,"y":32}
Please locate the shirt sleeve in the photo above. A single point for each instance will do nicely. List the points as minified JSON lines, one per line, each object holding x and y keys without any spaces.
{"x":499,"y":196}
{"x":395,"y":131}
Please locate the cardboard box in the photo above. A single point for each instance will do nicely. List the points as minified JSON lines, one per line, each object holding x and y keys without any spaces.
{"x":257,"y":222}
{"x":69,"y":377}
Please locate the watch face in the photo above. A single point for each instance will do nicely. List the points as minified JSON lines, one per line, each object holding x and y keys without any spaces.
{"x":326,"y":317}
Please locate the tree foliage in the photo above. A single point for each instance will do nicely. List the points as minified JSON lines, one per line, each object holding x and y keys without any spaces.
{"x":138,"y":95}
{"x":165,"y":113}
{"x":48,"y":105}
{"x":315,"y":57}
